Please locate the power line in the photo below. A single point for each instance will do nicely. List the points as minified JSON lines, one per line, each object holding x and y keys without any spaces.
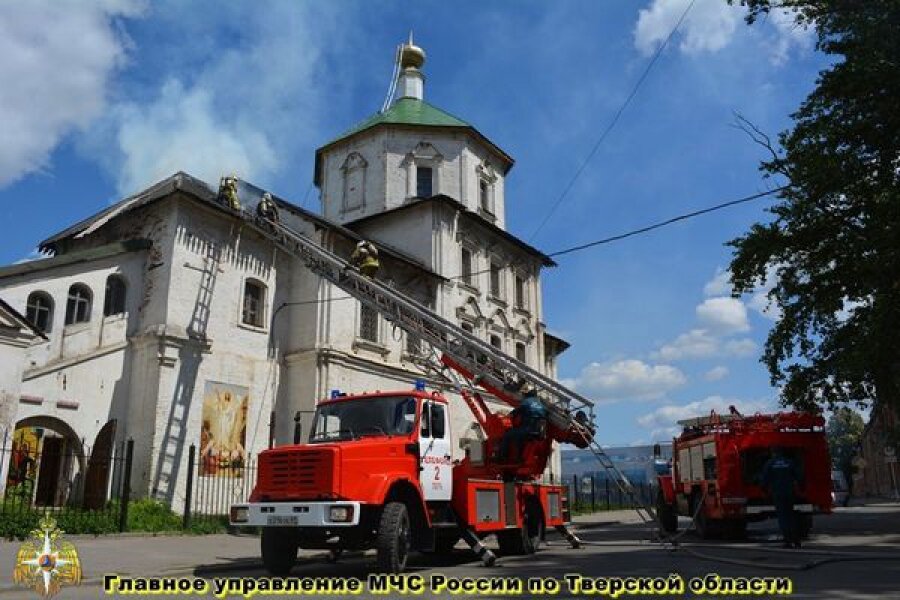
{"x":615,"y":238}
{"x":683,"y":217}
{"x":615,"y":120}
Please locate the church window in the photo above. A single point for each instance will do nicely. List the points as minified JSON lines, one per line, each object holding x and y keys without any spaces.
{"x":354,"y":193}
{"x":496,"y":280}
{"x":520,"y":352}
{"x":484,"y":196}
{"x":368,"y":323}
{"x":39,"y":310}
{"x":78,"y":305}
{"x":114,"y":298}
{"x":466,"y":266}
{"x":424,"y":182}
{"x":496,"y":342}
{"x":254,"y":303}
{"x":521,"y":295}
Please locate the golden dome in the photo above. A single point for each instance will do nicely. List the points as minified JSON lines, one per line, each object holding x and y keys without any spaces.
{"x":411,"y":55}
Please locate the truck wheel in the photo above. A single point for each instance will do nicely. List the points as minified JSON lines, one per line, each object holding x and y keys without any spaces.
{"x":527,"y":539}
{"x":706,"y":527}
{"x":279,"y":550}
{"x":394,"y":538}
{"x":665,"y":512}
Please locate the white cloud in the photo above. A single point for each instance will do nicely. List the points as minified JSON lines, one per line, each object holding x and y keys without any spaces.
{"x":719,"y":285}
{"x":696,"y":343}
{"x":663,"y":422}
{"x":180,"y":131}
{"x":708,"y":27}
{"x":788,"y":35}
{"x":56,"y":61}
{"x":740,"y":347}
{"x":701,"y":343}
{"x":716,"y":373}
{"x":723,"y":315}
{"x":712,"y":24}
{"x":759,"y":299}
{"x":627,"y":379}
{"x":246,"y":109}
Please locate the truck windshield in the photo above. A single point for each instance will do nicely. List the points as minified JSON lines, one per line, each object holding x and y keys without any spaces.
{"x":353,"y":419}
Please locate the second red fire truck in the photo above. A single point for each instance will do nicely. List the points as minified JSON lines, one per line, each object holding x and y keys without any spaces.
{"x":717,"y":463}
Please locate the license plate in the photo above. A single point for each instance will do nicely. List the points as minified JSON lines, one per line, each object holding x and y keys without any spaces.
{"x":281,"y":520}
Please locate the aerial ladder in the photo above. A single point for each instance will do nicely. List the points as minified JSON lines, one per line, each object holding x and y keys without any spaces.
{"x":461,"y":358}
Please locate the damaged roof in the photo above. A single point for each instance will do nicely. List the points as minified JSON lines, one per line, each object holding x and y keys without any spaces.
{"x":200,"y":190}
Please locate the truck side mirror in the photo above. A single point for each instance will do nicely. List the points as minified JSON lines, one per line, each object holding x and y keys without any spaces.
{"x":298,"y":427}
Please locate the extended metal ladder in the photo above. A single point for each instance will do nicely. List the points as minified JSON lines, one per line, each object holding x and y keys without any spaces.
{"x":566,"y":409}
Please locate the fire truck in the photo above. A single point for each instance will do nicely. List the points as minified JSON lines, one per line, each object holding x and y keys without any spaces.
{"x":377,"y":471}
{"x":717,"y":462}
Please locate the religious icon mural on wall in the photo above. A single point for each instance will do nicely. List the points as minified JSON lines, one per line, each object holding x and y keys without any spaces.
{"x":23,"y":463}
{"x":223,"y":433}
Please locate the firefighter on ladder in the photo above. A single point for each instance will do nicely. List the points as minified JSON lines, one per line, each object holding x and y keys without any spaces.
{"x":365,"y":258}
{"x":531,"y":415}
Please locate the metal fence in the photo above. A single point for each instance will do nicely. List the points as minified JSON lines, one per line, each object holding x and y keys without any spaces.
{"x":595,"y":492}
{"x":213,"y":485}
{"x":84,"y":491}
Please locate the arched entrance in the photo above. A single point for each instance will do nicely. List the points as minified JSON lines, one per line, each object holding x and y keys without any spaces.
{"x":99,"y":466}
{"x":47,"y":462}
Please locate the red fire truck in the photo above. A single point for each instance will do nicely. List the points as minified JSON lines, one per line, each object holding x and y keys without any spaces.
{"x":377,"y":473}
{"x":716,"y":466}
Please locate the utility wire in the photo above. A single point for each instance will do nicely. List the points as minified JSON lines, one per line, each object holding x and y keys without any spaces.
{"x":646,"y":229}
{"x":683,"y":217}
{"x":615,"y":120}
{"x":615,"y":238}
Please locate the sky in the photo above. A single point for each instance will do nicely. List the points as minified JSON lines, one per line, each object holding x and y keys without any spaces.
{"x":113,"y":95}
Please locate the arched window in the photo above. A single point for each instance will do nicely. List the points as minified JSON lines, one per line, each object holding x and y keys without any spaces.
{"x":254,"y":303}
{"x":39,"y":310}
{"x":78,"y":305}
{"x":114,"y":300}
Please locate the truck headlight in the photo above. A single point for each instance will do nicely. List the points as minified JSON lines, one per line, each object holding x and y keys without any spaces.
{"x":340,"y":514}
{"x":240,"y":514}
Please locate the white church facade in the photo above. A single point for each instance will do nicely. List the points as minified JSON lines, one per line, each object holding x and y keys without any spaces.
{"x":168,"y":323}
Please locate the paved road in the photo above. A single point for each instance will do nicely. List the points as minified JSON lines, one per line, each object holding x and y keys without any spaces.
{"x":847,"y":557}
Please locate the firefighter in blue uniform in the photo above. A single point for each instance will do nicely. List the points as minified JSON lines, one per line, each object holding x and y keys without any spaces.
{"x":531,"y":414}
{"x":780,"y":476}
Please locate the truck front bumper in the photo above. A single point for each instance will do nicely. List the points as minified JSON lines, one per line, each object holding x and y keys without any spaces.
{"x":295,"y":514}
{"x":769,"y":508}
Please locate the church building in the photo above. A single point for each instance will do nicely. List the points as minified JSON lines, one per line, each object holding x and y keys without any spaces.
{"x":162,"y":319}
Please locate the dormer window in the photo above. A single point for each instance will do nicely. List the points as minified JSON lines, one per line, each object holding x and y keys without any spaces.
{"x":424,"y":182}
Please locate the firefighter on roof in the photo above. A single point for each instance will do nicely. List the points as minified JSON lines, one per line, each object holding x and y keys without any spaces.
{"x":228,"y":194}
{"x":267,"y":209}
{"x":365,"y":258}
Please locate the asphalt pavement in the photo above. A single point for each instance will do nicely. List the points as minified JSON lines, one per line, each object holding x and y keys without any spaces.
{"x":853,"y":553}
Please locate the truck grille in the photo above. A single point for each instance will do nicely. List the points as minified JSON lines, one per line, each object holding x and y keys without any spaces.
{"x":297,"y":473}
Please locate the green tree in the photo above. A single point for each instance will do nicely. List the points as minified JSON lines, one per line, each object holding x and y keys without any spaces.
{"x":832,"y":244}
{"x":844,"y":431}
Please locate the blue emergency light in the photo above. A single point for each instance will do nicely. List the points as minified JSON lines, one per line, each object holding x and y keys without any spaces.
{"x":420,"y":385}
{"x":335,"y":394}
